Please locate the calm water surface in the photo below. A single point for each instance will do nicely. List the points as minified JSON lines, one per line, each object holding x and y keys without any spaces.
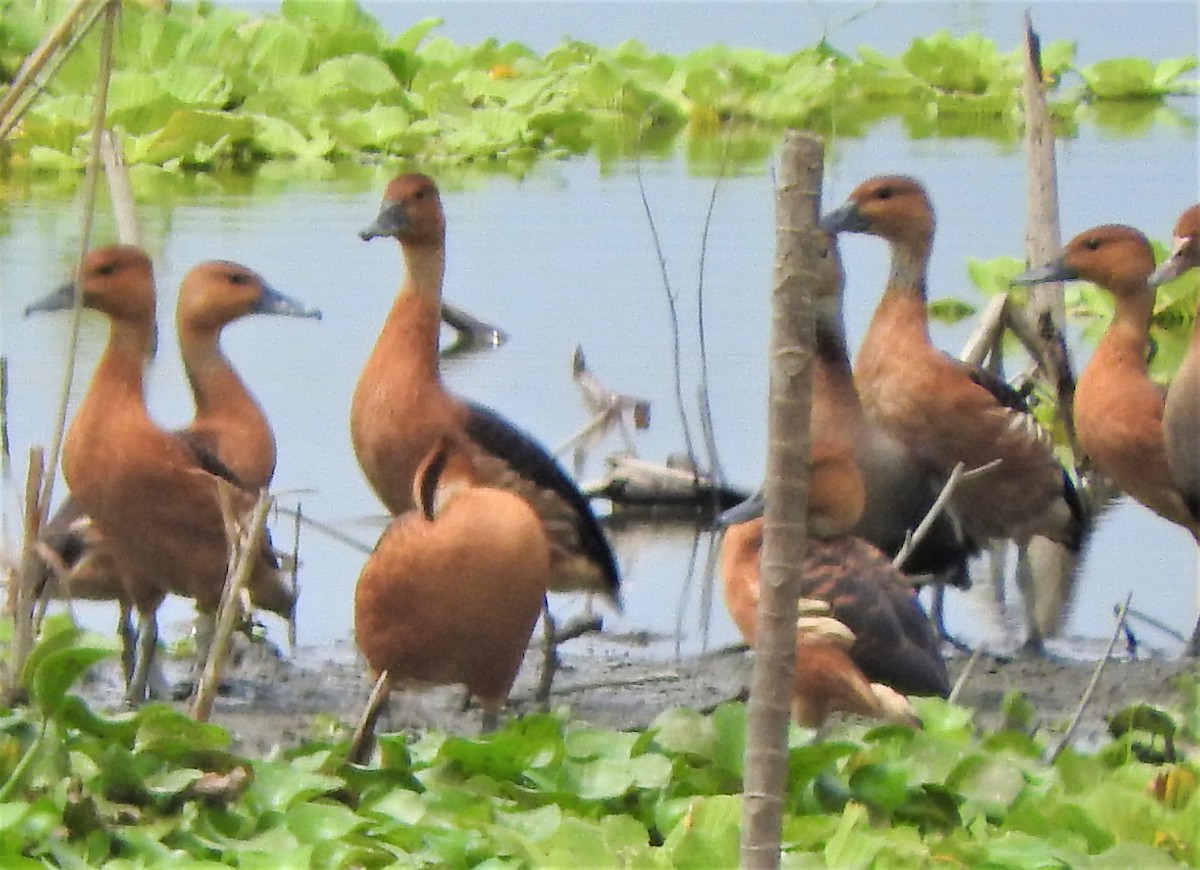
{"x":565,"y":257}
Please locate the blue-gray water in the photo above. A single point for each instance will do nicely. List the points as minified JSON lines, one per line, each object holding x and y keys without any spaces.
{"x":565,"y":257}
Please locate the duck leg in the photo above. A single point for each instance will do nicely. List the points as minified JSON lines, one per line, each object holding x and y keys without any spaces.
{"x":363,"y":740}
{"x":147,"y":647}
{"x":128,"y":635}
{"x":491,"y":718}
{"x":205,"y":628}
{"x":550,"y":661}
{"x":1193,"y":647}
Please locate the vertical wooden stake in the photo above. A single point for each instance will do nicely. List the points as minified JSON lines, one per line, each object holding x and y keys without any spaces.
{"x":798,"y":247}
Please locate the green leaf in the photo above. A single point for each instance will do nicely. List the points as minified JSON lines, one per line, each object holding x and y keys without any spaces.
{"x":681,"y":730}
{"x":319,"y":822}
{"x":278,"y":786}
{"x":882,"y":785}
{"x":950,"y":310}
{"x":170,"y":783}
{"x":851,"y":845}
{"x":707,"y":835}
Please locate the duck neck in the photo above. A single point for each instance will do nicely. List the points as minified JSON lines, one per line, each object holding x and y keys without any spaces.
{"x":411,"y":330}
{"x":216,"y":387}
{"x":909,"y":267}
{"x":1127,"y":338}
{"x":120,"y":374}
{"x":901,"y":315}
{"x":836,"y":410}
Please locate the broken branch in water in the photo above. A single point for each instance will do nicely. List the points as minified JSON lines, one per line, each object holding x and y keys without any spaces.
{"x":608,"y":406}
{"x":632,"y":481}
{"x":473,"y":333}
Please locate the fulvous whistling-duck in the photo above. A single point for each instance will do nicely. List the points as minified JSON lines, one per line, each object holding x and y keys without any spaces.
{"x":453,"y":588}
{"x":941,"y":409}
{"x":229,"y":423}
{"x":149,"y":495}
{"x":229,"y":429}
{"x":889,"y":647}
{"x":1118,"y":408}
{"x":1181,"y":414}
{"x":897,"y":491}
{"x":400,"y":407}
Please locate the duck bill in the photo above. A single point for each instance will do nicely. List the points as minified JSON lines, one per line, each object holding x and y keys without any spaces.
{"x":847,"y":219}
{"x":273,"y":302}
{"x":1172,"y":267}
{"x":62,"y":299}
{"x":751,"y":509}
{"x":391,"y":221}
{"x":1056,"y":271}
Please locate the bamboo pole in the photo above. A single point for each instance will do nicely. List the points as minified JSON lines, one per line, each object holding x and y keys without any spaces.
{"x":798,"y":246}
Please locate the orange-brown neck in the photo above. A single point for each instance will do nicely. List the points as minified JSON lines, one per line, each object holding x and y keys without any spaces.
{"x":114,"y":401}
{"x":909,"y":267}
{"x":1126,"y":341}
{"x":410,"y":334}
{"x":226,"y":409}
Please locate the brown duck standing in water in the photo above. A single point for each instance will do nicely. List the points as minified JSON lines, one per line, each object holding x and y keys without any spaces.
{"x":1119,"y":411}
{"x":153,"y":529}
{"x":401,"y":408}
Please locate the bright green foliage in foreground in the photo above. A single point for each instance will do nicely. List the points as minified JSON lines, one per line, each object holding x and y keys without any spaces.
{"x":154,"y":788}
{"x":202,"y":87}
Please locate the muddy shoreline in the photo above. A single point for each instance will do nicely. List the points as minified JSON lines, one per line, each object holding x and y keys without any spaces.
{"x":273,"y":701}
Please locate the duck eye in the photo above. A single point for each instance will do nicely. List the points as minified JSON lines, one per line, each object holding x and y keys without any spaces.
{"x":236,"y":278}
{"x":884,"y":193}
{"x":420,"y":194}
{"x":1092,"y":244}
{"x":106,"y":269}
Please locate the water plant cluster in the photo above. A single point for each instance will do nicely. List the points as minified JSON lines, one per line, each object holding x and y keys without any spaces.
{"x":199,"y":86}
{"x":155,"y":788}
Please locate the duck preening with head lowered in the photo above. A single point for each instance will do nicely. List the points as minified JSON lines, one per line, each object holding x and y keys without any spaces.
{"x":885,"y":647}
{"x":453,"y":589}
{"x":401,"y":408}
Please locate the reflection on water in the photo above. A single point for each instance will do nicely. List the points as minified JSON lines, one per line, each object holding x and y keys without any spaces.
{"x":564,"y":258}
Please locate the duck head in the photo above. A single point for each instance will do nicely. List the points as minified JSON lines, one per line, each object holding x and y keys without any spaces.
{"x":411,"y":212}
{"x":1185,"y":248}
{"x":894,"y":207}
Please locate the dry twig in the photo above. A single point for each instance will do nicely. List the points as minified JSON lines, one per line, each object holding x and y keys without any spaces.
{"x":245,"y":549}
{"x":1093,"y":682}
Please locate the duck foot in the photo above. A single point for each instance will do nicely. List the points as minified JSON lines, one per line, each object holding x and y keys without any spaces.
{"x":578,"y":627}
{"x":184,"y":689}
{"x":550,"y":660}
